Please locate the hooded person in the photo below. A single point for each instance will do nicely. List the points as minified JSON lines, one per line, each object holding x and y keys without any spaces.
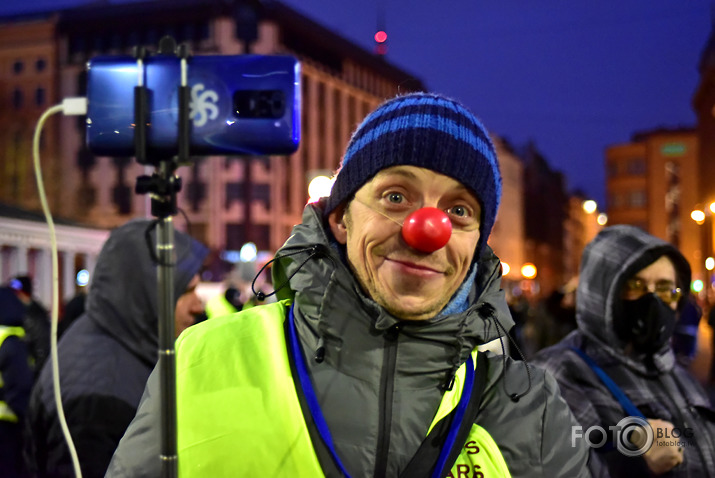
{"x":108,"y":353}
{"x":617,"y":371}
{"x":16,"y":379}
{"x":368,"y":363}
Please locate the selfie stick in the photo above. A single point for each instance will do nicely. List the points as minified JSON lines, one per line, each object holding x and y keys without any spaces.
{"x":163,"y":185}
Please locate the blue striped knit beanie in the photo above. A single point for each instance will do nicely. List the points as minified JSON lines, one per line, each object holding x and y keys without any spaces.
{"x":429,"y":131}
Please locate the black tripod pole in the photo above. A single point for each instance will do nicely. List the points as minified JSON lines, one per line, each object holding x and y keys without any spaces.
{"x":167,"y":356}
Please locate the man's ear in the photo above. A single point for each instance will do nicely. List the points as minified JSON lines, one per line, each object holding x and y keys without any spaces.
{"x":336,"y":220}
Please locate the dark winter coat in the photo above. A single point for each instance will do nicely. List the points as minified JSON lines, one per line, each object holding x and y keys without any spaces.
{"x":37,"y":327}
{"x":106,"y":356}
{"x":659,"y":388}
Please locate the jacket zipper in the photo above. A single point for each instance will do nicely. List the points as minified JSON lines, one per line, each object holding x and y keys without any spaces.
{"x":387,"y":389}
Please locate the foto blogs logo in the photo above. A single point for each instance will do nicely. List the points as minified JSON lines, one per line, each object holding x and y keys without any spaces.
{"x":633,"y":436}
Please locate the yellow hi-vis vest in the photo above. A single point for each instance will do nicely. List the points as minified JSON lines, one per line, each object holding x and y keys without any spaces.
{"x":6,"y":413}
{"x":239,"y":413}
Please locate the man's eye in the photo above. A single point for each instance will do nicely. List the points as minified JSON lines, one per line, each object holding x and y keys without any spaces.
{"x":395,"y":198}
{"x":459,"y":211}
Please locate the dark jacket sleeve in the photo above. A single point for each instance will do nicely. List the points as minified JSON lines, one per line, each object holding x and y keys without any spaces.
{"x":37,"y":329}
{"x":96,"y":424}
{"x":138,"y":453}
{"x":16,"y":374}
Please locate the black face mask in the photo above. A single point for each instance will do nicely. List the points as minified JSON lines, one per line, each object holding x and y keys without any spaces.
{"x":646,"y":322}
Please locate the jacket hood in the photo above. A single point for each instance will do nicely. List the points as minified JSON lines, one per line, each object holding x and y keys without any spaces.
{"x":123,"y":295}
{"x":608,"y":261}
{"x":12,"y":310}
{"x":328,"y":294}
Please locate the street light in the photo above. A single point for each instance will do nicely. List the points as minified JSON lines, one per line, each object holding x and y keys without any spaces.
{"x":528,"y":270}
{"x":319,"y":186}
{"x":589,"y":206}
{"x":698,"y":216}
{"x":707,"y":238}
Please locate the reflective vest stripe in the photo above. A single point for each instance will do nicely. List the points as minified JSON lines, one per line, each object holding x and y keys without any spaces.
{"x":239,"y":413}
{"x":6,"y":412}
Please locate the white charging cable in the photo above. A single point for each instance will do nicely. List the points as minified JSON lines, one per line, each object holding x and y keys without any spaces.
{"x":69,"y":106}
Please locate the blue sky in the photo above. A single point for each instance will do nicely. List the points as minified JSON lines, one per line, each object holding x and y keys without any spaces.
{"x":572,"y":76}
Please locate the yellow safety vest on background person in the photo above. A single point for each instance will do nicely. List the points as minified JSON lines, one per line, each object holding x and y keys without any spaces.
{"x":239,"y":412}
{"x":6,"y":412}
{"x":217,"y":306}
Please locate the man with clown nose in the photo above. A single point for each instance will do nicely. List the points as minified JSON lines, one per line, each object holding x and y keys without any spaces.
{"x":369,"y":363}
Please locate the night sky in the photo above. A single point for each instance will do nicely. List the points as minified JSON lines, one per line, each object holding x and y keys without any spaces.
{"x":571,"y":76}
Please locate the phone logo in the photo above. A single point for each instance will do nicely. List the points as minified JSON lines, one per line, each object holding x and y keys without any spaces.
{"x":203,"y":105}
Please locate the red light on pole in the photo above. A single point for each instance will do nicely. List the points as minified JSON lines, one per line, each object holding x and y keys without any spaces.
{"x":381,"y":42}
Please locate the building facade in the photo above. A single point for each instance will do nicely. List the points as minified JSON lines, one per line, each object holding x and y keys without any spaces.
{"x":227,"y":201}
{"x":545,"y":213}
{"x":653,"y":183}
{"x":704,"y":107}
{"x":25,"y":250}
{"x":507,"y":237}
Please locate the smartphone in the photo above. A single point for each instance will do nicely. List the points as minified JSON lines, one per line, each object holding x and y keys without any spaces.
{"x":239,"y":105}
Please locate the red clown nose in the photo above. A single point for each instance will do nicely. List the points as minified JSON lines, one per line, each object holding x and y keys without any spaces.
{"x":427,"y":229}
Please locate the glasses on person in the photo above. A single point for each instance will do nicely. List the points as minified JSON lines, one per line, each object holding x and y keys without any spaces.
{"x":665,"y":289}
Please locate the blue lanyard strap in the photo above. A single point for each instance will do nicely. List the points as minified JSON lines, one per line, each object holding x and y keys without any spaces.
{"x":322,"y":426}
{"x":302,"y":368}
{"x":615,"y":390}
{"x":457,"y":419}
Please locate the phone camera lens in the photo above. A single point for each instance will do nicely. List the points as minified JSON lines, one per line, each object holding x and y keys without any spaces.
{"x":259,"y":104}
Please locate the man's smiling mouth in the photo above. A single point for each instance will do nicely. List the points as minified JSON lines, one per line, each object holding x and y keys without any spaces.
{"x":415,"y":266}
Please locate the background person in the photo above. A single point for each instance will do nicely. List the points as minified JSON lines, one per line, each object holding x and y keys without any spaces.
{"x":632,"y":286}
{"x":36,"y":322}
{"x":366,"y":365}
{"x":108,"y":353}
{"x":15,"y":383}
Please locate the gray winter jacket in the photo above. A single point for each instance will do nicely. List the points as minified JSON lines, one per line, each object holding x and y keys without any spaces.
{"x":659,"y":388}
{"x":106,"y":356}
{"x":381,"y":379}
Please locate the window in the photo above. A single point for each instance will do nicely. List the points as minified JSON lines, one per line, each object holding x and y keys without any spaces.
{"x":636,"y":166}
{"x":40,"y":65}
{"x":262,"y":192}
{"x":637,"y":199}
{"x":85,"y":159}
{"x":40,"y":96}
{"x":17,"y":98}
{"x":196,"y":189}
{"x":18,"y":66}
{"x":235,"y":237}
{"x":122,"y":196}
{"x":234,"y":192}
{"x":615,"y":201}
